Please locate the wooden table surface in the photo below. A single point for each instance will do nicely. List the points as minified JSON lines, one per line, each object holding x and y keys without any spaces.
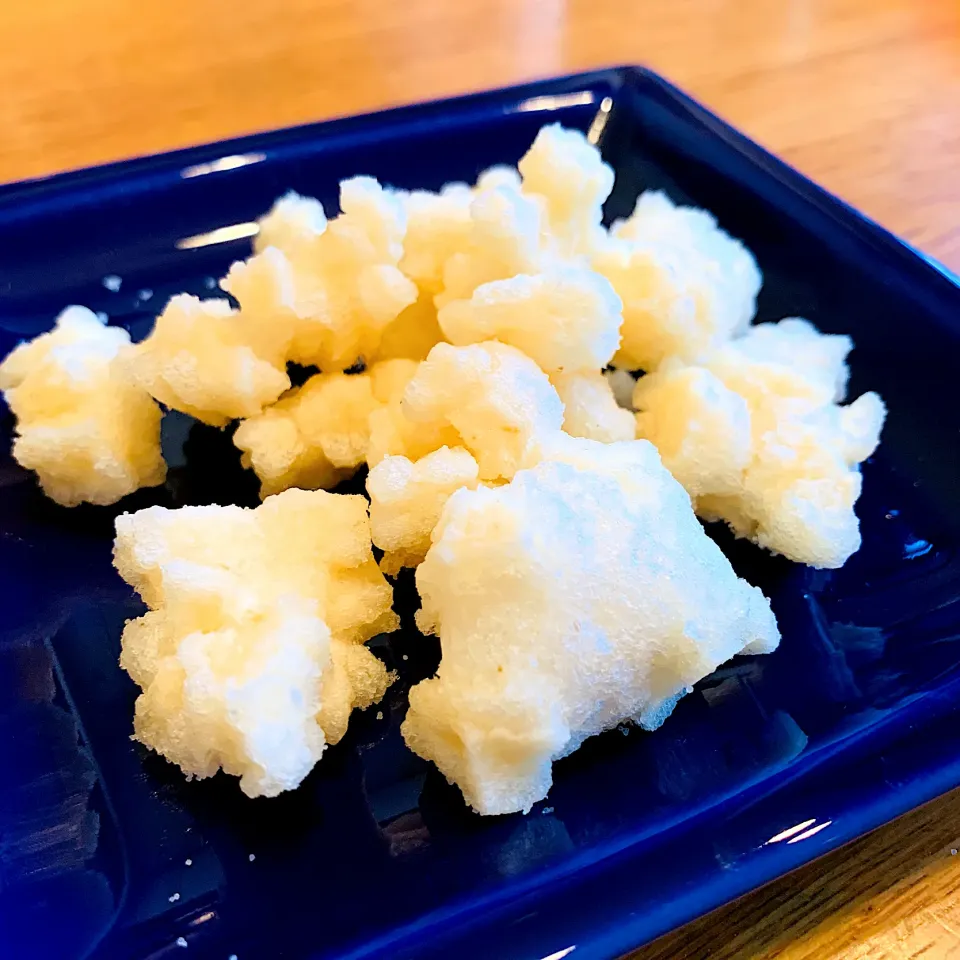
{"x":862,"y":95}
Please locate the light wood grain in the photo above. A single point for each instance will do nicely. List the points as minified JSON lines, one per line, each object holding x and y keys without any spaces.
{"x":892,"y":895}
{"x":862,"y":95}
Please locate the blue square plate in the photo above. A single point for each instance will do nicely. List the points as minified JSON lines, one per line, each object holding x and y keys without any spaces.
{"x":107,"y":852}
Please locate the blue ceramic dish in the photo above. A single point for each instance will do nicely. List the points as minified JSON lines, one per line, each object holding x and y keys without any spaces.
{"x":107,"y":852}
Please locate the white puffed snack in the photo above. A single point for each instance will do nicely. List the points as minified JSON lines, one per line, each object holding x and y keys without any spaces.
{"x":493,"y":396}
{"x":317,"y":435}
{"x":788,"y":365}
{"x":391,"y":433}
{"x":503,"y":239}
{"x":406,"y":500}
{"x":701,"y":428}
{"x":544,"y":220}
{"x":582,"y":594}
{"x":292,"y":224}
{"x":198,"y":359}
{"x":756,"y":436}
{"x":87,"y":430}
{"x":438,"y":225}
{"x":251,"y":656}
{"x":412,"y":334}
{"x":686,"y":286}
{"x":314,"y":437}
{"x":567,"y":318}
{"x":567,"y":172}
{"x":590,"y":407}
{"x":328,"y":289}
